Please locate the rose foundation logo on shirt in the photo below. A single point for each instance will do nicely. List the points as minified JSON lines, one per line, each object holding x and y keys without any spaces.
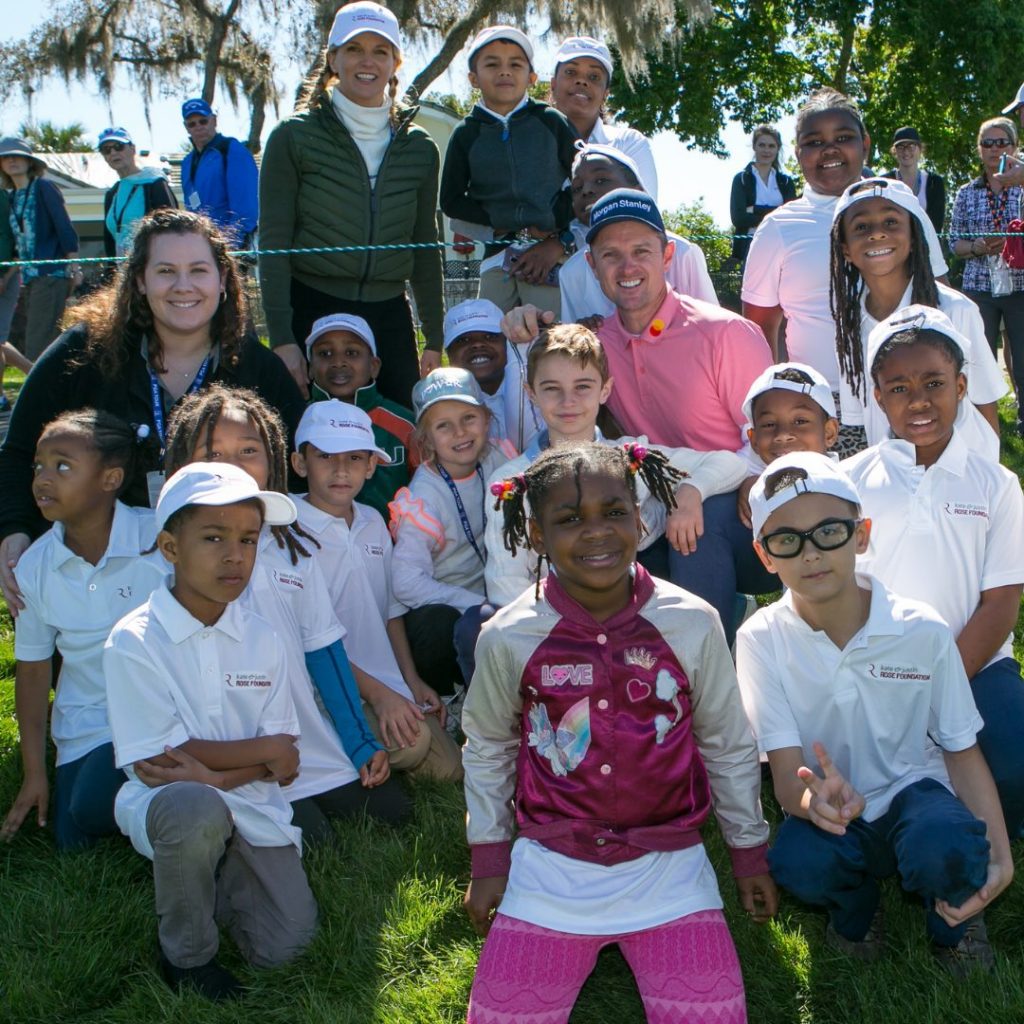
{"x":573,"y":675}
{"x":966,"y":508}
{"x":907,"y":672}
{"x":247,"y":680}
{"x":289,"y":579}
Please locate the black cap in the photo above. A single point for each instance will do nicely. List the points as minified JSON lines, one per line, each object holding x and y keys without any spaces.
{"x":906,"y":134}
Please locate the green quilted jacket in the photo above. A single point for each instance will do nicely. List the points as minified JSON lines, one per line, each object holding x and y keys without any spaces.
{"x":315,"y":191}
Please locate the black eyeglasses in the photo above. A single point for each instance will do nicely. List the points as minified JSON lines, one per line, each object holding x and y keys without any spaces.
{"x":112,"y":147}
{"x":828,"y":535}
{"x":995,"y":143}
{"x":198,"y":122}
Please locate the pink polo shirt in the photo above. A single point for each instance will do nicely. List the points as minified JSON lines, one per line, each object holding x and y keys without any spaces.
{"x":683,"y":380}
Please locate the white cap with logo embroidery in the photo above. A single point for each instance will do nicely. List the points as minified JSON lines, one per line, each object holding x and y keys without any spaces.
{"x":334,"y":426}
{"x":219,"y":483}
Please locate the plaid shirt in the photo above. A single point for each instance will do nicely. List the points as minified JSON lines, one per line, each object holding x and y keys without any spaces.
{"x":972,"y":215}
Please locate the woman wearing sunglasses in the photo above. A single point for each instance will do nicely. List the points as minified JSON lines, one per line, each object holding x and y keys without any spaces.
{"x":983,"y":206}
{"x":138,"y":190}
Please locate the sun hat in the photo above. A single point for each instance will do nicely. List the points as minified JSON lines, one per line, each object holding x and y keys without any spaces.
{"x":624,"y":204}
{"x":448,"y":384}
{"x":341,"y":322}
{"x":585,"y":46}
{"x":334,"y":426}
{"x":219,"y":483}
{"x":10,"y":146}
{"x":352,"y":19}
{"x":509,"y":33}
{"x":818,"y":390}
{"x":818,"y":474}
{"x":471,"y":315}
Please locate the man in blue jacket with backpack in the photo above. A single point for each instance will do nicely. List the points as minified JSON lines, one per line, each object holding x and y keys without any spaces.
{"x":219,"y":176}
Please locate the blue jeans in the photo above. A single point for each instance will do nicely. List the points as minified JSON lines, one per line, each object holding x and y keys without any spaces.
{"x":84,"y":799}
{"x":927,"y":836}
{"x":723,"y":564}
{"x":999,"y":694}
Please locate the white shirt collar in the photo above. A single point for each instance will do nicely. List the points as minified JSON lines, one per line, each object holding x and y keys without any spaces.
{"x":504,"y":117}
{"x":881,"y":620}
{"x":126,"y":538}
{"x":180,"y":624}
{"x":953,"y":460}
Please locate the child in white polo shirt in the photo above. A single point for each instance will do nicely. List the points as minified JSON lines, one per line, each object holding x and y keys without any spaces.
{"x":948,"y":525}
{"x":844,"y":675}
{"x":336,"y":454}
{"x":204,"y":725}
{"x":789,"y":408}
{"x":77,"y":580}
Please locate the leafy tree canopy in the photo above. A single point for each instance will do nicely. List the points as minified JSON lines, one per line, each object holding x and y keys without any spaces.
{"x":47,"y":137}
{"x":940,"y":65}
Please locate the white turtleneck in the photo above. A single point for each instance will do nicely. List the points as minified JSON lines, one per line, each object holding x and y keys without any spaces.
{"x":369,"y":127}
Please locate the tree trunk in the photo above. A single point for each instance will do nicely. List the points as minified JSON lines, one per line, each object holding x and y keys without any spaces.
{"x":257,"y":117}
{"x":842,"y":69}
{"x":219,"y":25}
{"x":457,"y":37}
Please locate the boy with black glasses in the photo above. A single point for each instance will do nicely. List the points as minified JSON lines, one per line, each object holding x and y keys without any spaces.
{"x":869,"y":688}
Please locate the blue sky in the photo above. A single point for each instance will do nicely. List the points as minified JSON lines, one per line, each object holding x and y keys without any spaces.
{"x":692,"y":175}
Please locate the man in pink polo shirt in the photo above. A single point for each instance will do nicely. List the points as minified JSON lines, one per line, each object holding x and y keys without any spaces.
{"x":682,"y":369}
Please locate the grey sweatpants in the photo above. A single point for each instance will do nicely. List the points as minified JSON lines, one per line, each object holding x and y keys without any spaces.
{"x":206,"y":874}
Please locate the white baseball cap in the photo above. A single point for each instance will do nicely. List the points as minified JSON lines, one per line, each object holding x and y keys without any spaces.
{"x":341,"y":322}
{"x":471,"y":315}
{"x":1018,"y":100}
{"x":507,"y":32}
{"x":586,"y":149}
{"x":818,"y":390}
{"x":449,"y":384}
{"x":818,"y":475}
{"x":219,"y":483}
{"x":585,"y":46}
{"x":880,"y":188}
{"x":363,"y":17}
{"x":915,"y":317}
{"x":334,"y":426}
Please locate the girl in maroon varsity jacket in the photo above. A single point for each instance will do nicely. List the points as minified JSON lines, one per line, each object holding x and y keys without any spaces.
{"x":602,"y":724}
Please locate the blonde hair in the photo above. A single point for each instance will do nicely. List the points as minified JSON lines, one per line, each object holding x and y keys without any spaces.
{"x":575,"y":342}
{"x":422,"y":441}
{"x":323,"y":77}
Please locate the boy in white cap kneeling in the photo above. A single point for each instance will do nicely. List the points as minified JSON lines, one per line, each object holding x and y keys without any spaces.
{"x":337,"y":454}
{"x":199,"y":698}
{"x":869,"y":689}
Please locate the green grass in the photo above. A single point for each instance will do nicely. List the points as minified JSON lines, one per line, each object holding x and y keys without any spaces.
{"x":77,"y":935}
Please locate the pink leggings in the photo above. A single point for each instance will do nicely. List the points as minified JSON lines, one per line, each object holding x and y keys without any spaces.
{"x":686,"y":970}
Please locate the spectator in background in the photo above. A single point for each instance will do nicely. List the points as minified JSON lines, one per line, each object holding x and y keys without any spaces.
{"x":758,"y":188}
{"x":579,"y":88}
{"x":219,"y":176}
{"x":10,"y":286}
{"x":138,"y":190}
{"x":42,"y":231}
{"x":929,"y":188}
{"x":1016,"y":106}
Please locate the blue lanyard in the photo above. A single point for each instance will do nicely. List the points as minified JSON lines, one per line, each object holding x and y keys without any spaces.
{"x":466,"y":528}
{"x":158,"y":402}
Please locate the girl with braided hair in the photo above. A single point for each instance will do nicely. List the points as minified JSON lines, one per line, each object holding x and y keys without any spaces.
{"x":345,"y":771}
{"x":879,"y":264}
{"x":604,"y":708}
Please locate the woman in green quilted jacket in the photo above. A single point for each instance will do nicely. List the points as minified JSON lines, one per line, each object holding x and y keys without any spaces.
{"x":351,"y":169}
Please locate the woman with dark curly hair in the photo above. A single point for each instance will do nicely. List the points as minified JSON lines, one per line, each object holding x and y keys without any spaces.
{"x":173,"y":320}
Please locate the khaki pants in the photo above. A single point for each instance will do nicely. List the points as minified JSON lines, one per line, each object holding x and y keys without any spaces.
{"x":434,"y":755}
{"x":206,"y":874}
{"x":507,"y":292}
